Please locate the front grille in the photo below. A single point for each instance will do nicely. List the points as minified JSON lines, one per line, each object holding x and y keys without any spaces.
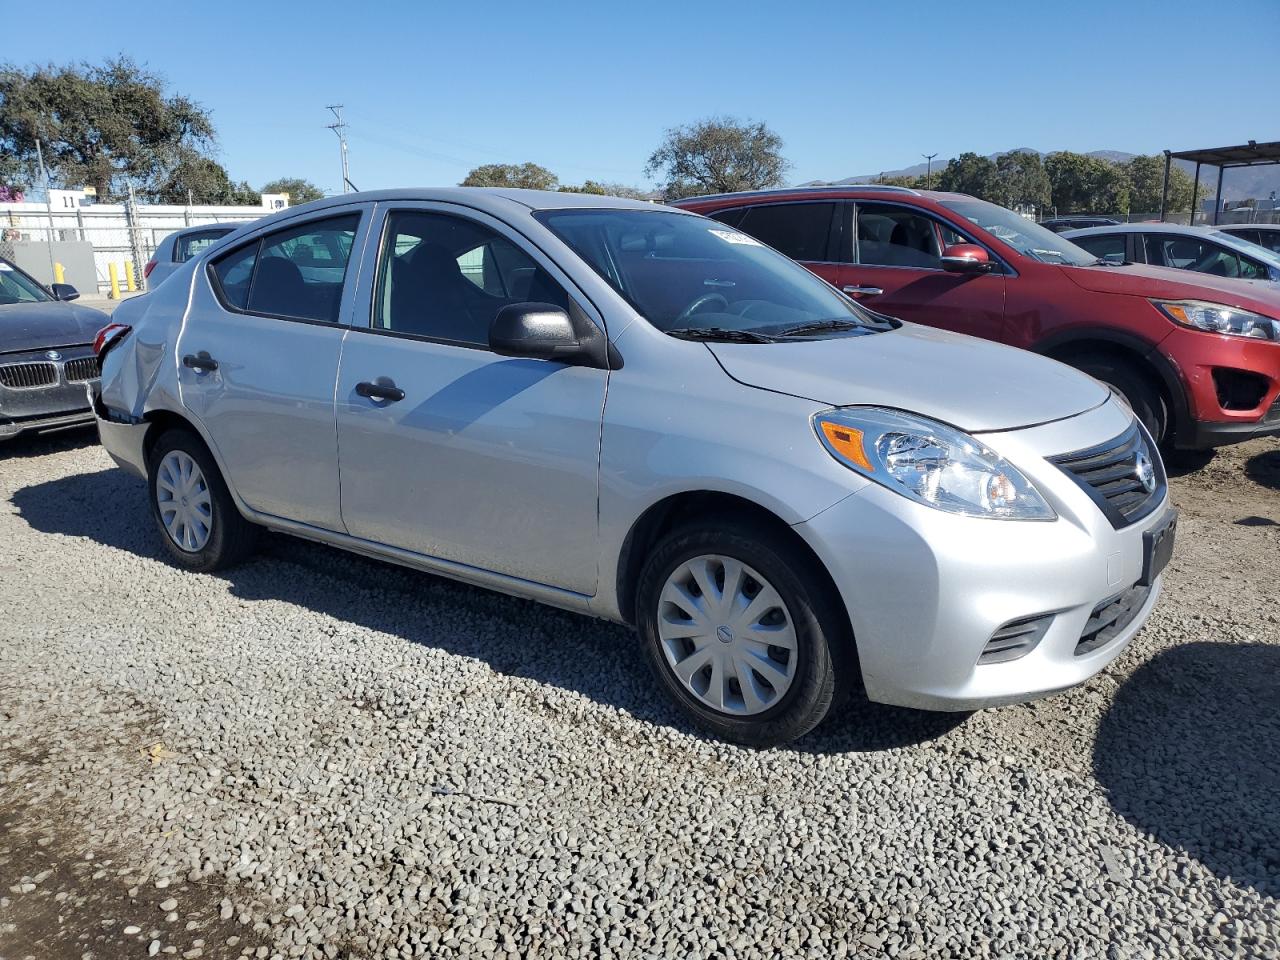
{"x":1015,"y":639}
{"x":23,"y":376}
{"x":82,"y":368}
{"x":1109,"y":618}
{"x":1111,"y":473}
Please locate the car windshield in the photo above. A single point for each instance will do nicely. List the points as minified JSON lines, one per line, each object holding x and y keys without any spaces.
{"x":686,"y":274}
{"x":1025,"y":236}
{"x":17,"y":287}
{"x":1247,"y":247}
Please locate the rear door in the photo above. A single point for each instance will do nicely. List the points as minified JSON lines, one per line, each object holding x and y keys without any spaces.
{"x":893,"y":264}
{"x":258,"y":359}
{"x":483,"y":460}
{"x":807,"y":231}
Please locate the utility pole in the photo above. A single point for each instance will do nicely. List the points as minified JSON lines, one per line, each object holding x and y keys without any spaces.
{"x":928,"y":168}
{"x":339,"y":127}
{"x":48,"y":204}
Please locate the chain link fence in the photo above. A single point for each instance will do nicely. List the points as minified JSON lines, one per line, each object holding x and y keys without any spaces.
{"x":120,"y":233}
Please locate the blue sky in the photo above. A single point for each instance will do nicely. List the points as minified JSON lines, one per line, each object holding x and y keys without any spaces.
{"x":587,"y":89}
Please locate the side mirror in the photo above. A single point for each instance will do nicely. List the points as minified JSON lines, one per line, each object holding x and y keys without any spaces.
{"x":966,"y":258}
{"x":64,"y":291}
{"x":538,"y":331}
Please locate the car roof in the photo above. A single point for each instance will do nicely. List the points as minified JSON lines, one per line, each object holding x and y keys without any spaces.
{"x":492,"y":198}
{"x":1143,"y":228}
{"x":227,"y":225}
{"x":1248,"y":226}
{"x":834,"y":190}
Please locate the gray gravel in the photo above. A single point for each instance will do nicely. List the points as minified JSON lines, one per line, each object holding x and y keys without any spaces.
{"x":316,"y":755}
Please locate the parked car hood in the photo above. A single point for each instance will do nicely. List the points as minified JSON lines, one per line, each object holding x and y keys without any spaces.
{"x":973,"y":384}
{"x":1145,"y":280}
{"x":55,"y":323}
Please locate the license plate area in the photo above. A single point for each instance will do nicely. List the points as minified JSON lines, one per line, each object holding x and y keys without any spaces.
{"x":1157,"y":548}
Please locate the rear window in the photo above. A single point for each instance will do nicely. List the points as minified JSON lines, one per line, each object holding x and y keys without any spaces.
{"x":189,"y":244}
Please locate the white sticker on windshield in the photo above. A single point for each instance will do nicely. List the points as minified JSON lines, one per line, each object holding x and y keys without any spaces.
{"x":5,"y":267}
{"x":732,"y":236}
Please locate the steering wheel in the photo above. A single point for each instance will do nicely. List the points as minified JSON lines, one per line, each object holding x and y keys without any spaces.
{"x":698,"y":304}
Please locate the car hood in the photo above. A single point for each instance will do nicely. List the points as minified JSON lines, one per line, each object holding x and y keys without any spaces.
{"x":973,"y":384}
{"x":1144,"y":280}
{"x":36,"y":326}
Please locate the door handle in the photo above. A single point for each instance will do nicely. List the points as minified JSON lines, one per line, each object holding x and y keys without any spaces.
{"x":200,"y":361}
{"x":853,"y":290}
{"x":380,"y":391}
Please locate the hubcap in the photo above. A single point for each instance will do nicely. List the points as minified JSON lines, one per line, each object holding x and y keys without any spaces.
{"x":186,"y":508}
{"x":727,"y":635}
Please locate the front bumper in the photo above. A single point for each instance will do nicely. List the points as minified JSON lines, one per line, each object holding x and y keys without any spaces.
{"x":12,"y":427}
{"x":1214,"y":420}
{"x":45,"y":390}
{"x":926,"y":591}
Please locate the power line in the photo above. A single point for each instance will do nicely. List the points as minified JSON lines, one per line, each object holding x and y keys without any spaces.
{"x":339,"y":127}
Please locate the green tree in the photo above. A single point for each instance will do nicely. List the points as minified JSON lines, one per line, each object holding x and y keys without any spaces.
{"x":969,"y":173}
{"x":1145,"y":175}
{"x":105,"y":126}
{"x":198,"y":179}
{"x":915,"y":183}
{"x":607,"y":189}
{"x":1079,"y":183}
{"x":1021,"y":181}
{"x":300,"y":191}
{"x":527,"y":175}
{"x":717,"y":155}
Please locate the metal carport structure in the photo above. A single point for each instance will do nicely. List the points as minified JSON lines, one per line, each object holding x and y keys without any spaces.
{"x":1251,"y":154}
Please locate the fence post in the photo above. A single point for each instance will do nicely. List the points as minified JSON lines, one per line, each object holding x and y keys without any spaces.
{"x":131,"y":218}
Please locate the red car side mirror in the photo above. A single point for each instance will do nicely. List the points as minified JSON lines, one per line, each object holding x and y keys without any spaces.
{"x":966,"y":258}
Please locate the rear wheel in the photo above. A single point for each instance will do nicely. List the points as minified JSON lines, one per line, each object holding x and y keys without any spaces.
{"x":199,"y":523}
{"x":741,"y":630}
{"x":1137,"y":387}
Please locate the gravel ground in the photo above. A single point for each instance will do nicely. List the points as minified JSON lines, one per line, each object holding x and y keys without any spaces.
{"x":319,"y":755}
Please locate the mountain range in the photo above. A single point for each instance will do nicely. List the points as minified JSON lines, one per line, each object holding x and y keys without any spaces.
{"x":1239,"y":183}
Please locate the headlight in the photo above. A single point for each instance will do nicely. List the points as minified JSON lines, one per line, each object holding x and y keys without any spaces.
{"x":1219,"y":318}
{"x":930,"y":463}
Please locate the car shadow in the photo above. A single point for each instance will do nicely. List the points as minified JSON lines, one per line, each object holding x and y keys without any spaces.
{"x":42,"y":444}
{"x":1188,"y":753}
{"x":1264,"y":469}
{"x":515,"y":637}
{"x":1181,"y":463}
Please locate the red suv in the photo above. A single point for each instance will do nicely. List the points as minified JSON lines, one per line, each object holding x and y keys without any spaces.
{"x":1197,"y":356}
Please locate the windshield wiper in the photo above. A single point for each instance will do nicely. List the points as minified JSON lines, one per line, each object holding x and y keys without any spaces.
{"x":821,"y":326}
{"x":719,"y":333}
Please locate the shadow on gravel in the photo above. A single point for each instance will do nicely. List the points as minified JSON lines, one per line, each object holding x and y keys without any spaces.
{"x":515,"y":637}
{"x":1180,"y":463}
{"x":1188,"y":752}
{"x":43,"y":444}
{"x":1264,"y":469}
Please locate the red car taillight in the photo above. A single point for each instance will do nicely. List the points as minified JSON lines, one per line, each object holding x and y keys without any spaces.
{"x":108,"y":337}
{"x":147,"y":268}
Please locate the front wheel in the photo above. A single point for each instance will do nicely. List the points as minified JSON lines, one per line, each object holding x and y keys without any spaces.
{"x":1137,"y":387}
{"x":199,"y":523}
{"x":741,"y":629}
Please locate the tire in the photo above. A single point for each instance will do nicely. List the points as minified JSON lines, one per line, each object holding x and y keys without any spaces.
{"x":1137,"y":387}
{"x":218,"y":535}
{"x":790,"y":691}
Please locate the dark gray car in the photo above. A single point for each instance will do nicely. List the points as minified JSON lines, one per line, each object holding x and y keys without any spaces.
{"x":46,"y":354}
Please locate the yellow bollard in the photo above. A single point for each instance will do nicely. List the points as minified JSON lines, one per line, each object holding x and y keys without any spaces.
{"x":59,"y":273}
{"x":128,"y":275}
{"x":114,"y":274}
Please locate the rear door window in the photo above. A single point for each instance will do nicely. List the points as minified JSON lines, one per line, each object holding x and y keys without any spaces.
{"x":296,"y":273}
{"x":802,"y":231}
{"x":1192,"y":253}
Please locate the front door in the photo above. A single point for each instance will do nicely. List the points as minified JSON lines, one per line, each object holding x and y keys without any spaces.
{"x":258,"y":358}
{"x":447,"y":449}
{"x":894,"y":266}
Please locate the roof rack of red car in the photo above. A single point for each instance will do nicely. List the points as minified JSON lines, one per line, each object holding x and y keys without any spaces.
{"x":806,"y":188}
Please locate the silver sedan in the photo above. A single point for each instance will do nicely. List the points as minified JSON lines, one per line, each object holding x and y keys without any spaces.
{"x":643,"y":415}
